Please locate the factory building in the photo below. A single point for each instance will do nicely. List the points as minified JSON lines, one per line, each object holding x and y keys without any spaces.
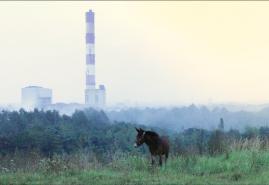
{"x":94,"y":97}
{"x":35,"y":97}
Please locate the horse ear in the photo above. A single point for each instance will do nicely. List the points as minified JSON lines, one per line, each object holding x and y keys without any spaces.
{"x":141,"y":130}
{"x":137,"y":129}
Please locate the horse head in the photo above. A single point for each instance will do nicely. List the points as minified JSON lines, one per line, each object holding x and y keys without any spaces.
{"x":140,"y":137}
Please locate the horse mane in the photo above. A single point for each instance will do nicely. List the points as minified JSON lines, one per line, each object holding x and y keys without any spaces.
{"x":152,"y":134}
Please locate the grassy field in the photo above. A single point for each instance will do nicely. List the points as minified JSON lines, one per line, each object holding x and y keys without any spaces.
{"x":237,"y":167}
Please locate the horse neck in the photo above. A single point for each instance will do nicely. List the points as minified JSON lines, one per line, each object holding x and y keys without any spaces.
{"x":152,"y":141}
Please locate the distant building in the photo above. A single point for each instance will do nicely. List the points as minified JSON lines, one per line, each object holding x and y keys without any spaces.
{"x":94,"y":97}
{"x":35,"y":97}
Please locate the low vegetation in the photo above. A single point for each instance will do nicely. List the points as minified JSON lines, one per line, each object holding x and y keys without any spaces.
{"x":86,"y":148}
{"x":246,"y":163}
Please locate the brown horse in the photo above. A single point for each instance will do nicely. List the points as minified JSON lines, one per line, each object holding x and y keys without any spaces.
{"x":158,"y":146}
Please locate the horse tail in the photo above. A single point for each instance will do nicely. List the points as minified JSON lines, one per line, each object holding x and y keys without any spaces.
{"x":166,"y":144}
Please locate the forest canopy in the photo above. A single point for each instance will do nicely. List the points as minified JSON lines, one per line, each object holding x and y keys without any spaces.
{"x":89,"y":130}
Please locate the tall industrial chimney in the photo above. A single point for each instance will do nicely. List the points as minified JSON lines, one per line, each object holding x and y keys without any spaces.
{"x":90,"y":54}
{"x":93,"y":97}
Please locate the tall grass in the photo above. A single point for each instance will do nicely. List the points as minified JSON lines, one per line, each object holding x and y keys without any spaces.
{"x":247,"y":162}
{"x":254,"y":144}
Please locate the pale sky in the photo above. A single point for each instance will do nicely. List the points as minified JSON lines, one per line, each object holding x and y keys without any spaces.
{"x":146,"y":52}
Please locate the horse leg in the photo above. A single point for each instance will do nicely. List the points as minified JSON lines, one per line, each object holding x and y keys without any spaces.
{"x":152,"y":159}
{"x":166,"y":157}
{"x":160,"y":160}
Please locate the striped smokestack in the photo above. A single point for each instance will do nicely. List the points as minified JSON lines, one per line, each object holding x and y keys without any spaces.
{"x":94,"y":97}
{"x":90,"y":54}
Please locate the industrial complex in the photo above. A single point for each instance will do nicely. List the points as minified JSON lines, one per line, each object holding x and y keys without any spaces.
{"x":95,"y":96}
{"x":35,"y":97}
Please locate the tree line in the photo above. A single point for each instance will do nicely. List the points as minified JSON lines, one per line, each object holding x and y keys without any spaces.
{"x":89,"y":130}
{"x":193,"y":116}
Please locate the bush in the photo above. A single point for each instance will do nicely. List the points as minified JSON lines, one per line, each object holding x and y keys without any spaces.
{"x":217,"y":143}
